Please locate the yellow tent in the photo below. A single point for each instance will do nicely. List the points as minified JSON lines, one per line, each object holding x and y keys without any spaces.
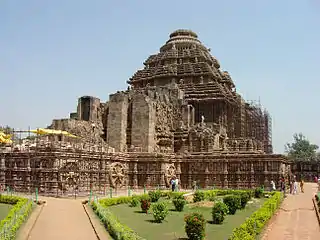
{"x":45,"y":131}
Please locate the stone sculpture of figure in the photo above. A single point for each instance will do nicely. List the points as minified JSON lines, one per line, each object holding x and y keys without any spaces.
{"x":202,"y":119}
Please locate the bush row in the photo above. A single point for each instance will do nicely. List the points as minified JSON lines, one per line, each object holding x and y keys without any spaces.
{"x":116,"y":230}
{"x":16,"y":216}
{"x":252,"y":227}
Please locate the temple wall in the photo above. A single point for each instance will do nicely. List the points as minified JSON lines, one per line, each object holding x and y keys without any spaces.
{"x":60,"y":172}
{"x":117,"y":121}
{"x":143,"y":123}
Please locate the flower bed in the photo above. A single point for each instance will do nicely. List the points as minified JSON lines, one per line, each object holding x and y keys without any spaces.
{"x":253,"y":226}
{"x":16,"y":216}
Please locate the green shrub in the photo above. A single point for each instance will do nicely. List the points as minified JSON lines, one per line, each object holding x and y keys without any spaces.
{"x":172,"y":195}
{"x":159,"y":211}
{"x":244,"y":199}
{"x":107,"y":202}
{"x":116,"y":230}
{"x":258,"y":192}
{"x":135,"y":200}
{"x":145,"y":205}
{"x":179,"y":204}
{"x":219,"y":211}
{"x":19,"y":212}
{"x":253,"y":226}
{"x":198,"y":196}
{"x":195,"y":226}
{"x":233,"y":202}
{"x":154,"y":195}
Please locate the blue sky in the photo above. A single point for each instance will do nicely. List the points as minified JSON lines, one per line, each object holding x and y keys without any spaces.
{"x":52,"y":52}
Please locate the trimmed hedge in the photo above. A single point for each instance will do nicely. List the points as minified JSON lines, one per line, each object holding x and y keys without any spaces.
{"x":116,"y":230}
{"x":16,"y":216}
{"x":253,"y":226}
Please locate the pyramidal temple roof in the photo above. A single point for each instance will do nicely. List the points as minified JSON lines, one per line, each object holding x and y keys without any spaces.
{"x":183,"y":58}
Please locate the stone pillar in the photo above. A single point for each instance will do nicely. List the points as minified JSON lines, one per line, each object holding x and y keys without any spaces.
{"x":135,"y":177}
{"x":225,"y":173}
{"x":162,"y":175}
{"x":117,"y":121}
{"x":3,"y":172}
{"x":206,"y":179}
{"x":178,"y":172}
{"x":238,"y":173}
{"x":265,"y":172}
{"x":252,"y":181}
{"x":143,"y":123}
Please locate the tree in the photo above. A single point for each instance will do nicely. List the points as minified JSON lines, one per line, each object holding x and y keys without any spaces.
{"x":301,"y":148}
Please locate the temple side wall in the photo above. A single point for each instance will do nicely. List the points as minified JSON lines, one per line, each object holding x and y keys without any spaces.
{"x":117,"y":121}
{"x":143,"y":123}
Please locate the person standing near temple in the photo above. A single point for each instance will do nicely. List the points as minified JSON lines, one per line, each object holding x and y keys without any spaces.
{"x":273,"y":185}
{"x":176,"y":184}
{"x":302,"y":185}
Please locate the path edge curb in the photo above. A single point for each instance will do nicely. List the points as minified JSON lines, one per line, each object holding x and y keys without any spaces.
{"x":34,"y":222}
{"x":316,"y":210}
{"x":85,"y":207}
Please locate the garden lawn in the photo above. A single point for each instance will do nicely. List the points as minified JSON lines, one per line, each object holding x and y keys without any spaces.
{"x":173,"y":226}
{"x":4,"y":210}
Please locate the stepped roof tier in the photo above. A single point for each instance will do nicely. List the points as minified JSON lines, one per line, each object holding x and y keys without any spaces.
{"x":184,"y":60}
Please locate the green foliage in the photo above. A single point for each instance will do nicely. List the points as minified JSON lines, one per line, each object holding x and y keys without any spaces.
{"x":258,"y":192}
{"x":159,"y":211}
{"x":179,"y":204}
{"x":198,"y":196}
{"x":116,"y":230}
{"x":244,"y":199}
{"x":195,"y":226}
{"x":154,"y":195}
{"x":253,"y":226}
{"x":301,"y":148}
{"x":145,"y":205}
{"x":233,"y":202}
{"x":17,"y":215}
{"x":219,"y":211}
{"x":223,"y":192}
{"x":106,"y":202}
{"x":172,"y":195}
{"x":135,"y":200}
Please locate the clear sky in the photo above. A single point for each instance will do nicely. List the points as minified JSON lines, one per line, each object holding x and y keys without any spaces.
{"x":52,"y":52}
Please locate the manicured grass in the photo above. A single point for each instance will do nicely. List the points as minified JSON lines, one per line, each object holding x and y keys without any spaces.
{"x":173,"y":226}
{"x":4,"y":210}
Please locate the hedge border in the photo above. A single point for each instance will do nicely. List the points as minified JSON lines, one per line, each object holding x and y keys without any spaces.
{"x":15,"y":215}
{"x":254,"y":225}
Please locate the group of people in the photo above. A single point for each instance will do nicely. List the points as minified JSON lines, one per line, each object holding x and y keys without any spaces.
{"x":293,"y":185}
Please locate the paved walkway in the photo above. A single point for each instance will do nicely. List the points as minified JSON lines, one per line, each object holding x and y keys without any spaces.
{"x":62,"y":219}
{"x":296,"y":219}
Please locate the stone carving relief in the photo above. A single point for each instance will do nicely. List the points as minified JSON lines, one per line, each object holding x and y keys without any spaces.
{"x":117,"y":175}
{"x":170,"y":172}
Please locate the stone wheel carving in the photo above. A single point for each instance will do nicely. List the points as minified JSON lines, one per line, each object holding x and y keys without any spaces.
{"x":117,"y":174}
{"x":170,"y":173}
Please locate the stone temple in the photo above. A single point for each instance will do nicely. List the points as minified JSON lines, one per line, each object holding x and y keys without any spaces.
{"x":180,"y":116}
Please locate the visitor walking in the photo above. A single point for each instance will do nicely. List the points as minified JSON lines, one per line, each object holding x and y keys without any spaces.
{"x":176,"y":181}
{"x":273,"y":186}
{"x":173,"y":184}
{"x":302,"y":185}
{"x":295,"y":187}
{"x":283,"y":186}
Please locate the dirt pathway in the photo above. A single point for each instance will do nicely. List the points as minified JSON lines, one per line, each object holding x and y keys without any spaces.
{"x":296,"y":219}
{"x":62,"y":219}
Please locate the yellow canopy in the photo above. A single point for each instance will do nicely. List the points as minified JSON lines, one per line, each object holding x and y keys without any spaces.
{"x":44,"y":131}
{"x":5,"y":140}
{"x":6,"y":136}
